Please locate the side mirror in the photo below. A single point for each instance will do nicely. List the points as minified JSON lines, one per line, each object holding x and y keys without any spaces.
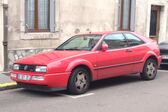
{"x":104,"y":47}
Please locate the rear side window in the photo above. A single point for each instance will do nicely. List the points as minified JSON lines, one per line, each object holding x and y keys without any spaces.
{"x":115,"y":41}
{"x":133,"y":40}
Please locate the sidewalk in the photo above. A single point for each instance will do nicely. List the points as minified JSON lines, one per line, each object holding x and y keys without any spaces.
{"x":6,"y":82}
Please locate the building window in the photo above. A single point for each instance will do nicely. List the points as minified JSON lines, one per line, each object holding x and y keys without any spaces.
{"x":155,"y":22}
{"x":127,"y":14}
{"x":38,"y":15}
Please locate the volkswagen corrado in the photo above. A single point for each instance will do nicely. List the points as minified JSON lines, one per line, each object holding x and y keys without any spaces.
{"x":88,"y":57}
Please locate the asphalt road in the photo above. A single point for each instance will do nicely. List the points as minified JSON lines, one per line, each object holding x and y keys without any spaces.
{"x":122,"y":94}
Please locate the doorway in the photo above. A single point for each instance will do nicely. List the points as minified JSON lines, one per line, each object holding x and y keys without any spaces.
{"x":155,"y":22}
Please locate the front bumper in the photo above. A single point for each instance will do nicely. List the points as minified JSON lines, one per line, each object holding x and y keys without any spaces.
{"x":36,"y":87}
{"x":164,"y":62}
{"x":51,"y":82}
{"x":159,"y":61}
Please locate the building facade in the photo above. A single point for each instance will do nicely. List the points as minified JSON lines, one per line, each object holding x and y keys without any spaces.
{"x":41,"y":25}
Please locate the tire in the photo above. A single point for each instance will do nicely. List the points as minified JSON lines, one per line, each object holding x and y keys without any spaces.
{"x":79,"y":81}
{"x":149,"y":70}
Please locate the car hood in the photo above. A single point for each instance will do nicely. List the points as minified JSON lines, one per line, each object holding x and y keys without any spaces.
{"x":47,"y":57}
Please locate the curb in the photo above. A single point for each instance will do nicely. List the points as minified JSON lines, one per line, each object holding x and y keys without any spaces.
{"x":5,"y":73}
{"x":6,"y":86}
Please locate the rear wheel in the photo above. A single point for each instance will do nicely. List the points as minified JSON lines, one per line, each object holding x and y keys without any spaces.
{"x":79,"y":81}
{"x":149,"y":70}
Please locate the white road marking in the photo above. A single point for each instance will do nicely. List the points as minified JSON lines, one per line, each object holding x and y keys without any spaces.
{"x":78,"y":96}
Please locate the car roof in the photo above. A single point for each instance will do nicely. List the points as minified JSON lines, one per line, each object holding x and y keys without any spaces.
{"x":107,"y":32}
{"x":145,"y":39}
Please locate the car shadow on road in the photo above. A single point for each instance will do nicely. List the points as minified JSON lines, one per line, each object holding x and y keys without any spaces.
{"x":115,"y":81}
{"x":38,"y":93}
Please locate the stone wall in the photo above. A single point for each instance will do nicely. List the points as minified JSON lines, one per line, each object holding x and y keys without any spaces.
{"x":14,"y":55}
{"x":72,"y":17}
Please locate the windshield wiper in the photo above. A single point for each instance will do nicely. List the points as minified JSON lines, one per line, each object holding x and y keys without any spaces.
{"x":58,"y":49}
{"x":67,"y":49}
{"x":72,"y":49}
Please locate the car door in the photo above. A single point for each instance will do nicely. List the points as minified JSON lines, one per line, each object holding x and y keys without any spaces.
{"x":139,"y":50}
{"x":116,"y":60}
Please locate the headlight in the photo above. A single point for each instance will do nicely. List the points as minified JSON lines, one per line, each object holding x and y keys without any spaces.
{"x":41,"y":69}
{"x":16,"y":67}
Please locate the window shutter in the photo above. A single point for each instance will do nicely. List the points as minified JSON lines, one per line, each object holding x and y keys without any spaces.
{"x":119,"y":15}
{"x":52,"y":16}
{"x":133,"y":11}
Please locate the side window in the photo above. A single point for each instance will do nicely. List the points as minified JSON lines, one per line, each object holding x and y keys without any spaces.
{"x":133,"y":40}
{"x":115,"y":41}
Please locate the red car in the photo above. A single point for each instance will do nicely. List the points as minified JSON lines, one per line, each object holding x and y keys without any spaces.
{"x":88,"y":57}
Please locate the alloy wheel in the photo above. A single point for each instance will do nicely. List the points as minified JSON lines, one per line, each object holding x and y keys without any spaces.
{"x":151,"y":70}
{"x":81,"y":81}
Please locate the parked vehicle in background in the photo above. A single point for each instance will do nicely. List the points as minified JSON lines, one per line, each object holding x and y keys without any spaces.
{"x":88,"y":57}
{"x":164,"y":53}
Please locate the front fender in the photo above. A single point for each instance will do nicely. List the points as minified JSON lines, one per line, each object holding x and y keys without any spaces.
{"x":80,"y":62}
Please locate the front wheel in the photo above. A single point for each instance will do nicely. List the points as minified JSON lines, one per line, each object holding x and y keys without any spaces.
{"x":149,"y":70}
{"x":79,"y":81}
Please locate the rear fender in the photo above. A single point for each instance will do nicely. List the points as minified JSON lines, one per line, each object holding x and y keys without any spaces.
{"x":147,"y":56}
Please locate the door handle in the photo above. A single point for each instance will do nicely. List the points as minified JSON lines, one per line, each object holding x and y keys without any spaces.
{"x":128,"y":50}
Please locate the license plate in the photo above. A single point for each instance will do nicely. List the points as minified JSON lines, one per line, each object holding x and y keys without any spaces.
{"x":164,"y":56}
{"x":23,"y":77}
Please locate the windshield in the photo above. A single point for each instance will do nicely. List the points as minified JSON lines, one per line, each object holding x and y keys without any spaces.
{"x":80,"y":42}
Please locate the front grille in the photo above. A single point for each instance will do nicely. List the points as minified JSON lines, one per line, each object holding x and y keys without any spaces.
{"x":30,"y":68}
{"x":163,"y":51}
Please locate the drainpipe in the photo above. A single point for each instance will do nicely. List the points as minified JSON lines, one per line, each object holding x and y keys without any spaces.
{"x":5,"y":38}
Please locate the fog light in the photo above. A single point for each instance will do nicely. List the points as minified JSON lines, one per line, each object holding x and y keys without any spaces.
{"x":39,"y":78}
{"x":13,"y":75}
